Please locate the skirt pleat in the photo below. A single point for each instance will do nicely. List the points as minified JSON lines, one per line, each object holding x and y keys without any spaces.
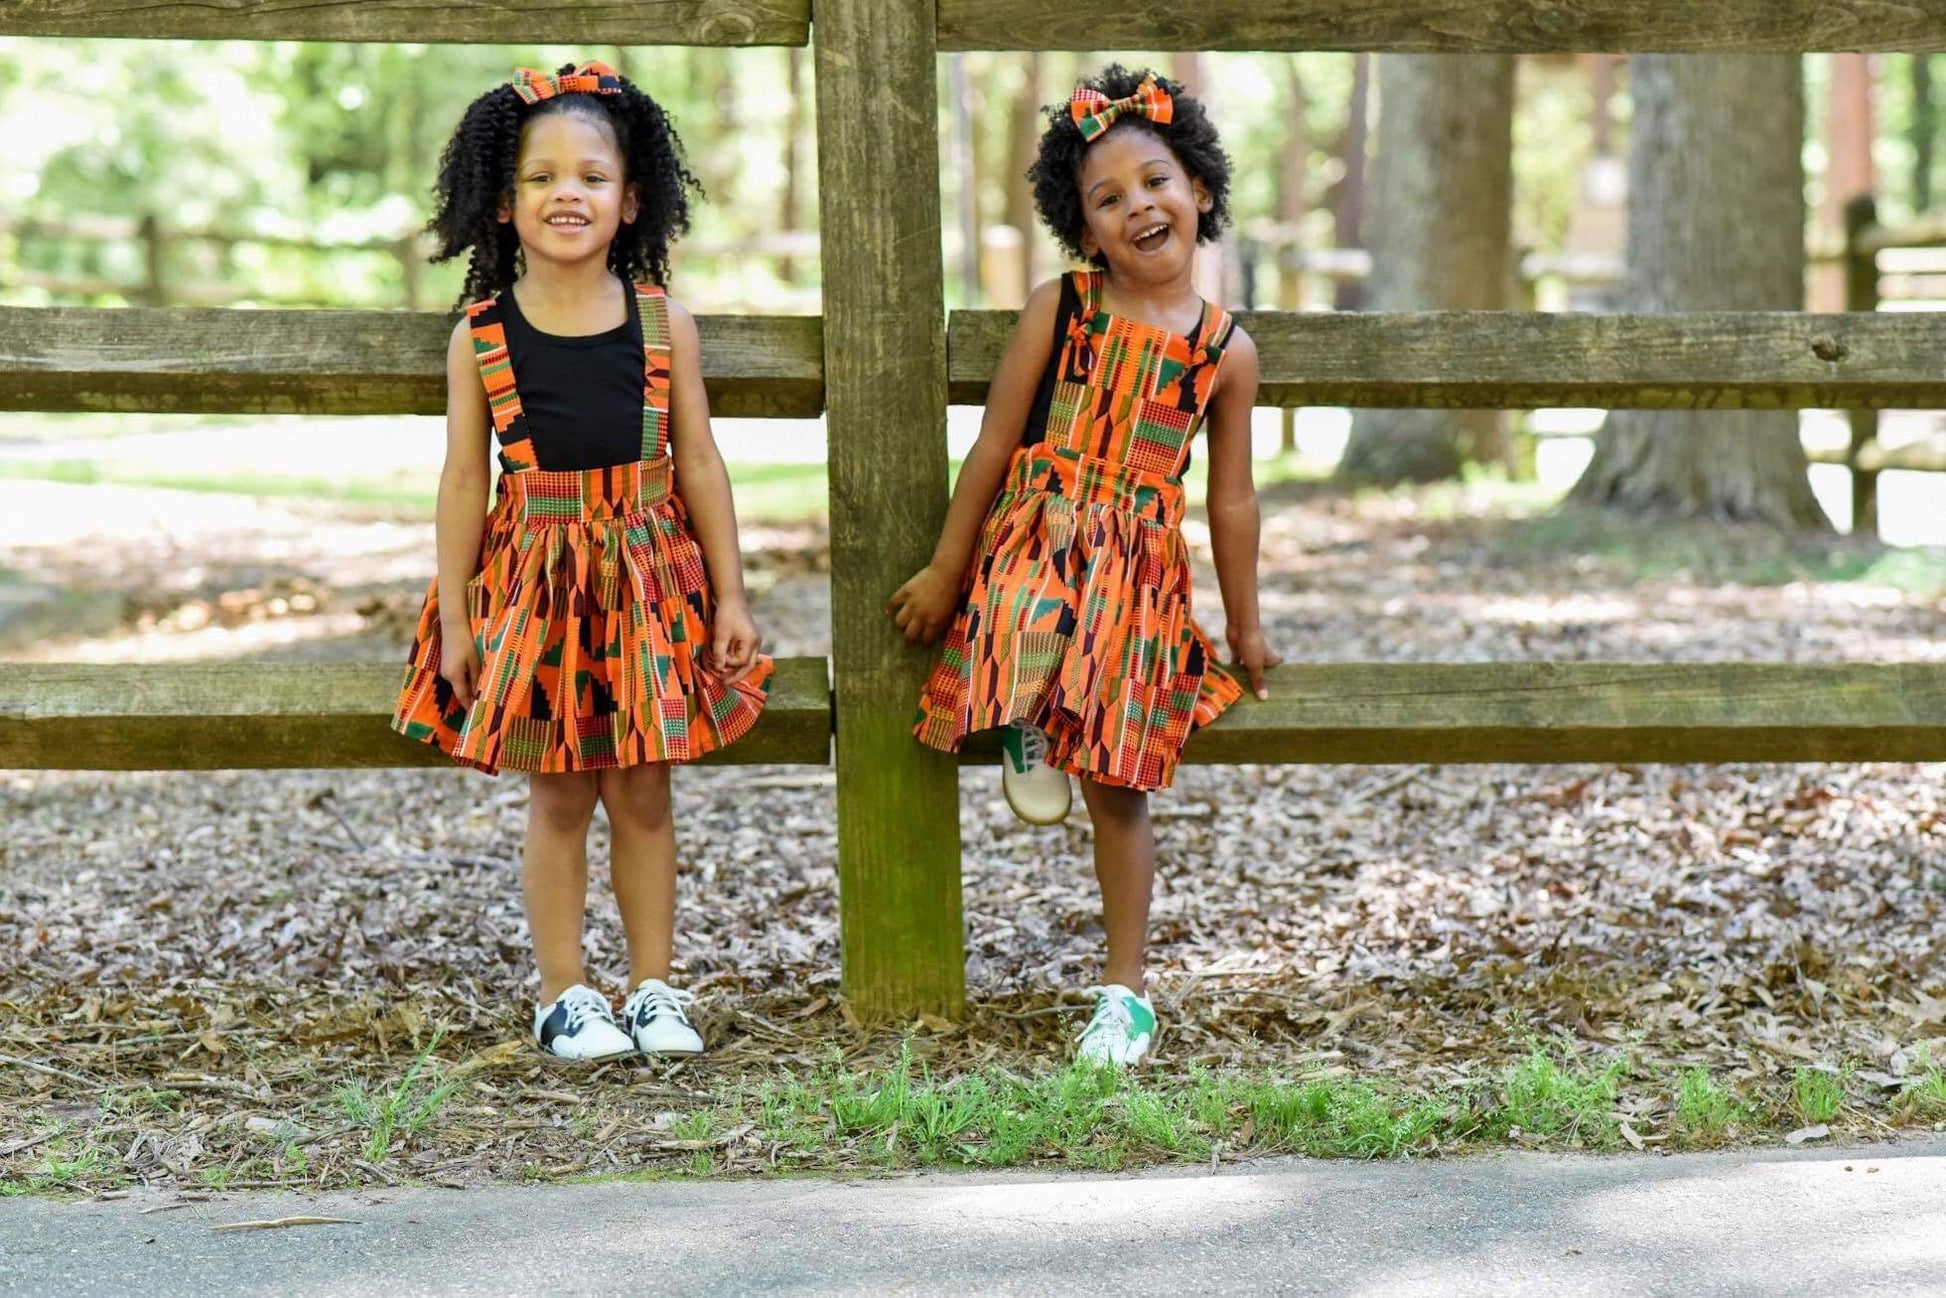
{"x":591,"y":613}
{"x":1077,"y":619}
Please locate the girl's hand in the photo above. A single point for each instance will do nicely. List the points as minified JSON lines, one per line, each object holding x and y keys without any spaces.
{"x":1248,"y":651}
{"x":459,"y":662}
{"x":924,"y":605}
{"x":735,"y":642}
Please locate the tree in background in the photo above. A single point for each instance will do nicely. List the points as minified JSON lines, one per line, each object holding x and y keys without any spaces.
{"x":1716,"y":223}
{"x":1440,"y":239}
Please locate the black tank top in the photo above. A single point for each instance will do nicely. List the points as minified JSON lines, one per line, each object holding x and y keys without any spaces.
{"x":1036,"y":431}
{"x":582,"y":395}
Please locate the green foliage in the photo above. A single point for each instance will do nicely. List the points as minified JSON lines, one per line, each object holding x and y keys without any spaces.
{"x":1570,"y":1098}
{"x":57,"y":1169}
{"x":1926,"y":1092}
{"x":1341,"y":1118}
{"x":1817,"y":1094}
{"x":1088,"y":1116}
{"x":402,"y":1112}
{"x":1707,"y":1112}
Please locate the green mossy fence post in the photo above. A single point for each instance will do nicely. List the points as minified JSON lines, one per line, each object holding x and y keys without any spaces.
{"x":885,"y":403}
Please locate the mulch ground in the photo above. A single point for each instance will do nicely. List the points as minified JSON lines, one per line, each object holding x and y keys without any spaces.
{"x":206,"y":979}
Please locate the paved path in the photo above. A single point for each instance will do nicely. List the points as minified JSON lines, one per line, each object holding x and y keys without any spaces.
{"x":1857,"y":1221}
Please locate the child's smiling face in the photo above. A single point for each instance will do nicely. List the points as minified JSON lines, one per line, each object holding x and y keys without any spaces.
{"x":1140,"y":205}
{"x":570,"y":192}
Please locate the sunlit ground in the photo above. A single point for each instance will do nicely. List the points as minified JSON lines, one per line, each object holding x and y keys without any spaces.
{"x":777,"y":465}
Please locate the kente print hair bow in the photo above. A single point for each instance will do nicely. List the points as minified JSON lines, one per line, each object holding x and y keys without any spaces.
{"x":1095,"y":112}
{"x":590,"y":78}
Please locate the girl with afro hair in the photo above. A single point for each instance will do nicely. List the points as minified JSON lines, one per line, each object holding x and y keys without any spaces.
{"x":1060,"y":584}
{"x":590,"y":629}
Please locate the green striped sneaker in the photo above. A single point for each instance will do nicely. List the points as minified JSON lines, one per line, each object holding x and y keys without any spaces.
{"x":1039,"y":794}
{"x":1122,"y":1029}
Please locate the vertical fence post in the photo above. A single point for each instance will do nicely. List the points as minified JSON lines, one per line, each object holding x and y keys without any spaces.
{"x":1861,"y":294}
{"x":885,"y":406}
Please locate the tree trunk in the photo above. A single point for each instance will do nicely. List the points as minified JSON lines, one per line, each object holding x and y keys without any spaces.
{"x":1348,"y":207}
{"x":1925,"y":131}
{"x":966,"y":206}
{"x":1441,"y":229}
{"x":791,"y":200}
{"x":1292,"y":169}
{"x":1849,"y":131}
{"x":728,"y":130}
{"x":1716,"y":223}
{"x":1601,"y":89}
{"x":1023,"y":141}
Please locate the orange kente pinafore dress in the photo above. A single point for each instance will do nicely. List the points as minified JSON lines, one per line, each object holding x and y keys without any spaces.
{"x":1076,"y":616}
{"x":592,"y":607}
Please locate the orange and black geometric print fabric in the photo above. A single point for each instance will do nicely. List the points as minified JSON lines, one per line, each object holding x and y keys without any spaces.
{"x":592,"y":607}
{"x":1077,"y":611}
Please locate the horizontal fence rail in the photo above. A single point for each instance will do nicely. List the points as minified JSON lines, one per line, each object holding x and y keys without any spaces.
{"x":1425,"y":26}
{"x":1520,"y":360}
{"x":1587,"y":712}
{"x":511,"y":22}
{"x":352,"y":362}
{"x":1447,"y":26}
{"x":211,"y":716}
{"x":215,"y":716}
{"x":217,"y":361}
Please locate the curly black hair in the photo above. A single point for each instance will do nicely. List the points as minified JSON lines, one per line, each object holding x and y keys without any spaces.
{"x":1191,"y":136}
{"x":477,"y":170}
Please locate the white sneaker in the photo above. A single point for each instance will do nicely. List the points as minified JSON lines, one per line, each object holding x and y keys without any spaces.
{"x":1122,"y":1029}
{"x":656,"y":1020}
{"x":1038,"y":793}
{"x":579,"y":1025}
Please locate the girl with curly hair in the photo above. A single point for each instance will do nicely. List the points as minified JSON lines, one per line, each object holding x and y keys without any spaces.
{"x":591,"y":628}
{"x":1061,"y":581}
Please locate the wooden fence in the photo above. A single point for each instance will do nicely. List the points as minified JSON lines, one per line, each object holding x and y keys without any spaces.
{"x":882,"y":363}
{"x":1865,"y":239}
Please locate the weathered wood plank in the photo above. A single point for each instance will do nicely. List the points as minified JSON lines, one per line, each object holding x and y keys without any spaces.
{"x":885,"y":375}
{"x":1521,"y":360}
{"x":333,"y":362}
{"x":1582,"y":712}
{"x":207,"y":716}
{"x":496,"y":22}
{"x":211,"y":716}
{"x":1590,"y":712}
{"x":1446,"y":26}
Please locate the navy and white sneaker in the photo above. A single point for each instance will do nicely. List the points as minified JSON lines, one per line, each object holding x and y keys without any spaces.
{"x":655,"y":1017}
{"x":579,"y":1025}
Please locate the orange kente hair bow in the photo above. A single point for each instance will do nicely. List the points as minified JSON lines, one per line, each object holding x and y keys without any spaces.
{"x":590,"y":78}
{"x":1095,"y":112}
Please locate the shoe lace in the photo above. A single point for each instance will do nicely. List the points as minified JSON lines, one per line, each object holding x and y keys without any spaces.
{"x":1033,"y":745}
{"x":663,"y":999}
{"x":583,"y":1003}
{"x":1111,"y":1015}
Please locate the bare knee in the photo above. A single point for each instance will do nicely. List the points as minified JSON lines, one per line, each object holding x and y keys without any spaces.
{"x":637,"y":797}
{"x":563,"y":802}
